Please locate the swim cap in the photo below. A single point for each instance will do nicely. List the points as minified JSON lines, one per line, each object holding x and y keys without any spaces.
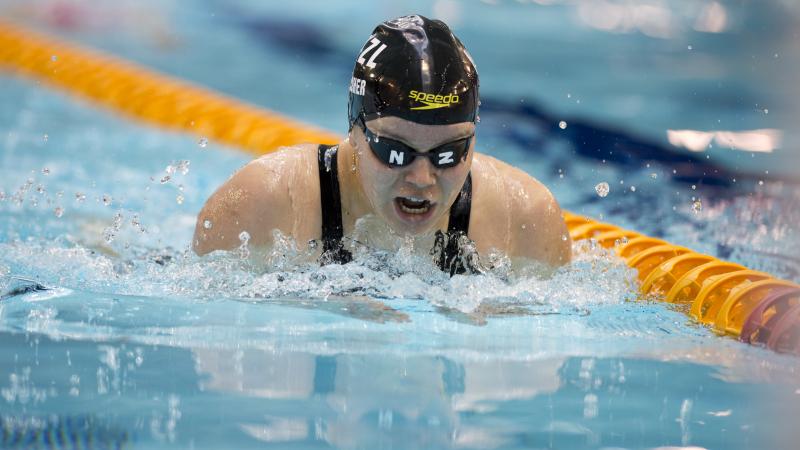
{"x":414,"y":68}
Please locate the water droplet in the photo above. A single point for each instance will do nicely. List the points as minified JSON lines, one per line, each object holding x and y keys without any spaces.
{"x":766,"y":111}
{"x":697,"y":206}
{"x":602,"y":189}
{"x":760,"y":182}
{"x":40,"y":189}
{"x":377,"y":139}
{"x":181,"y":166}
{"x":694,"y":187}
{"x":562,"y":125}
{"x":328,"y":157}
{"x":80,"y":197}
{"x":203,"y":142}
{"x":45,"y":171}
{"x":524,"y":226}
{"x":569,"y":95}
{"x":561,"y":175}
{"x":633,"y":188}
{"x":59,"y":211}
{"x":135,"y":222}
{"x":107,"y":199}
{"x":207,"y":224}
{"x":689,"y":47}
{"x":244,"y":251}
{"x":179,"y":199}
{"x":654,"y":175}
{"x":564,"y":237}
{"x":54,"y":58}
{"x":45,"y":138}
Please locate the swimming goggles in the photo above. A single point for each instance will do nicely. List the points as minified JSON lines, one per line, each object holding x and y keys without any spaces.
{"x":397,"y":154}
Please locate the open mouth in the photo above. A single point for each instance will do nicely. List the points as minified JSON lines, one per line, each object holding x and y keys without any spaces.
{"x":413,"y":205}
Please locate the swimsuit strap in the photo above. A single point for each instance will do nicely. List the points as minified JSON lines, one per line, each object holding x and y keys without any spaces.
{"x":333,"y":250}
{"x":447,"y":249}
{"x":459,"y":212}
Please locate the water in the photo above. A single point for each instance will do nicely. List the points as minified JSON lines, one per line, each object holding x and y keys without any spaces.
{"x":113,"y":332}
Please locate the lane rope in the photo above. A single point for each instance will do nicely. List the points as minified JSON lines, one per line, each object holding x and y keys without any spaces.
{"x":753,"y":306}
{"x":149,"y":96}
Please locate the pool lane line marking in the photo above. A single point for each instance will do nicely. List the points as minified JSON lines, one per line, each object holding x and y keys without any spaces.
{"x":156,"y":98}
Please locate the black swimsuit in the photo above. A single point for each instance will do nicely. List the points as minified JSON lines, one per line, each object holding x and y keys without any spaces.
{"x":447,"y":251}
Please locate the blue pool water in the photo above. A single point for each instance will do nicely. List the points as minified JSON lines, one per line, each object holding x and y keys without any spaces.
{"x":112,"y":334}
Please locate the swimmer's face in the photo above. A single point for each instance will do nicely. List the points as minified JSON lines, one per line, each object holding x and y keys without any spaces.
{"x":414,"y":198}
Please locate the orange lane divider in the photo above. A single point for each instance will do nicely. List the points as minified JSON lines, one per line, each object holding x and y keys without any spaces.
{"x":150,"y":96}
{"x":755,"y":306}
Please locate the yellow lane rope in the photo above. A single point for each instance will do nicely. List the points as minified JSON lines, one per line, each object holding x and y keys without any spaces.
{"x":726,"y":296}
{"x":149,"y":96}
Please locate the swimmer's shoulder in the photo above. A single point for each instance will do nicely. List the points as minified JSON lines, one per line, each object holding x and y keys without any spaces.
{"x":534,"y":221}
{"x":278,"y":191}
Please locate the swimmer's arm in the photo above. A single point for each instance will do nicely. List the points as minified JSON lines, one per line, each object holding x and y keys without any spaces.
{"x":540,"y":230}
{"x":253,"y":200}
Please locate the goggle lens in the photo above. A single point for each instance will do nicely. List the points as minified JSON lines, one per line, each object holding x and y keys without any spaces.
{"x":397,"y":154}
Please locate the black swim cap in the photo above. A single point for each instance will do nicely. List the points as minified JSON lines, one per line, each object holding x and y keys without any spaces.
{"x":414,"y":68}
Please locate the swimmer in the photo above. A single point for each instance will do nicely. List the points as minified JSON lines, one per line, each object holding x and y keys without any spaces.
{"x":407,"y":171}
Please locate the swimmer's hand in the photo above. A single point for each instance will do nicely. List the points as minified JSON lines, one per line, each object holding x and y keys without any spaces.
{"x":354,"y":306}
{"x":500,"y":307}
{"x":365,"y":308}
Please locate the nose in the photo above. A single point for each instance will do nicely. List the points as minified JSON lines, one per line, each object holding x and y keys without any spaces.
{"x":421,"y":173}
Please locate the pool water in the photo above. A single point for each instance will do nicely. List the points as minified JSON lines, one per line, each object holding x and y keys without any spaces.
{"x":113,"y":334}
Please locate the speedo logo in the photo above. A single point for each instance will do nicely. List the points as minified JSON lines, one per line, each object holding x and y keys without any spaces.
{"x":432,"y":101}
